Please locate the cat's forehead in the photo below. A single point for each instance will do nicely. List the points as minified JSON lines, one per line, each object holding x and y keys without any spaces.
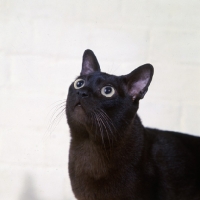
{"x":99,"y":78}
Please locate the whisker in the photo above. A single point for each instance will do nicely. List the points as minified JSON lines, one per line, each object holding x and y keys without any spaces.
{"x":55,"y":118}
{"x":100,"y":117}
{"x":109,"y":123}
{"x":54,"y":107}
{"x":101,"y":131}
{"x":58,"y":116}
{"x":108,"y":118}
{"x":94,"y":124}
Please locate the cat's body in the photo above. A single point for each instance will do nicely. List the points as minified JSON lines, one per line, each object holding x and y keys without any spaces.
{"x":112,"y":156}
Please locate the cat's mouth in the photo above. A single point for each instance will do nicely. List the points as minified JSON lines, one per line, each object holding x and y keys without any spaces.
{"x":78,"y":104}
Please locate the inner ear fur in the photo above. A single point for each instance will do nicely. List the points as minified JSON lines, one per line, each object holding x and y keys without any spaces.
{"x":90,"y":63}
{"x":138,"y":81}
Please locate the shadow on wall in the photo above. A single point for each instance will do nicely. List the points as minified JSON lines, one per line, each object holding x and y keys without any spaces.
{"x":29,"y":192}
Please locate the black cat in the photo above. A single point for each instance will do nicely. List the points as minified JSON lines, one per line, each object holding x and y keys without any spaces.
{"x":112,"y":156}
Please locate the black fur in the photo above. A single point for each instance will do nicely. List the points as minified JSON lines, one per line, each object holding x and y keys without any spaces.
{"x":112,"y":156}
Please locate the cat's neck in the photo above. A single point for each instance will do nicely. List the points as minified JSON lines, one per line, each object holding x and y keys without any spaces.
{"x":97,"y":160}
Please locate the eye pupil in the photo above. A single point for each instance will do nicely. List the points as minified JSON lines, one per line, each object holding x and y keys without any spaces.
{"x":108,"y":90}
{"x":79,"y":83}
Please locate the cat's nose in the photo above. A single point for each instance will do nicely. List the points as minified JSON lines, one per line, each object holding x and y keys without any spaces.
{"x":82,"y":93}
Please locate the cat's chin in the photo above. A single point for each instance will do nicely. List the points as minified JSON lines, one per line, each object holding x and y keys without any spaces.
{"x":79,"y":114}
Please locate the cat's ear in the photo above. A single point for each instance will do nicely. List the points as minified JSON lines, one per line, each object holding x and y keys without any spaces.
{"x":138,"y":80}
{"x":90,"y":63}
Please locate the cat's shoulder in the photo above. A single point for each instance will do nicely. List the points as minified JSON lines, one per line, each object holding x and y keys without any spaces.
{"x":170,"y":136}
{"x":172,"y":145}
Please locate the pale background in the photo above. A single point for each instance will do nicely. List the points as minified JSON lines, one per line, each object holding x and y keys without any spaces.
{"x":41,"y":47}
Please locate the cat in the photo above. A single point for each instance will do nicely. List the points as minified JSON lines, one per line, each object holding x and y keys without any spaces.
{"x":112,"y":155}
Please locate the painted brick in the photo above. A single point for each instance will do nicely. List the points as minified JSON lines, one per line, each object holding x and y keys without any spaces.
{"x":47,"y":74}
{"x":30,"y":182}
{"x":175,"y":46}
{"x":4,"y":70}
{"x":190,"y":119}
{"x":162,"y":115}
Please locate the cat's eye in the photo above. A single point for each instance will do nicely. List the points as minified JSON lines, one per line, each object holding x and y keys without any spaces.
{"x":79,"y":83}
{"x":108,"y":91}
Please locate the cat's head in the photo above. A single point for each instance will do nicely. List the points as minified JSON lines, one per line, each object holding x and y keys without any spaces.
{"x":102,"y":104}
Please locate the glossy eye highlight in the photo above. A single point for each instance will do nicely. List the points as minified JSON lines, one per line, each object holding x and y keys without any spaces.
{"x":79,"y":83}
{"x":108,"y":91}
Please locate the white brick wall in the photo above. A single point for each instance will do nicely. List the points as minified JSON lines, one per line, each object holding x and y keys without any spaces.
{"x":41,"y":45}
